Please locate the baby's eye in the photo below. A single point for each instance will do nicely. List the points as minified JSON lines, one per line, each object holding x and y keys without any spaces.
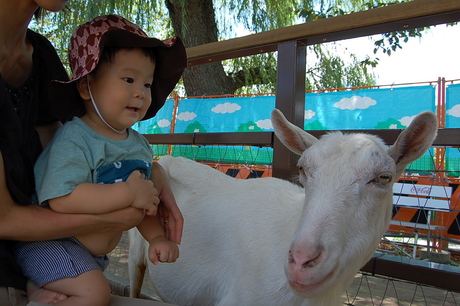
{"x":148,"y":85}
{"x":129,"y":80}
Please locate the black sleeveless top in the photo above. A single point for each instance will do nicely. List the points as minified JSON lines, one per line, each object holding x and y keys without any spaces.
{"x":21,"y":109}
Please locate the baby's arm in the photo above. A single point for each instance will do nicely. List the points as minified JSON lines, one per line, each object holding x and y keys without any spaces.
{"x":160,"y":249}
{"x":90,"y":198}
{"x":169,"y":212}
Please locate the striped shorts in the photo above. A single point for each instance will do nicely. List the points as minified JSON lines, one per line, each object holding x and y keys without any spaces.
{"x":50,"y":260}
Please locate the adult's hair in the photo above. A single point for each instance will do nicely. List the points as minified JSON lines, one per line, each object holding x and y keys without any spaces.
{"x":38,"y":13}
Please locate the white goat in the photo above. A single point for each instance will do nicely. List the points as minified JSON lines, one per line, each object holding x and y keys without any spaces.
{"x":269,"y":242}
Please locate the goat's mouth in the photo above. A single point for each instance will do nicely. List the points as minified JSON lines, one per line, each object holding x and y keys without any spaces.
{"x":309,"y":290}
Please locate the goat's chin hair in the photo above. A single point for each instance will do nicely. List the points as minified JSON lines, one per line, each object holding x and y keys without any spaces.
{"x":295,"y":180}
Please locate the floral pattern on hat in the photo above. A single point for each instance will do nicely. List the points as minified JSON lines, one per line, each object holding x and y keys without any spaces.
{"x":84,"y":44}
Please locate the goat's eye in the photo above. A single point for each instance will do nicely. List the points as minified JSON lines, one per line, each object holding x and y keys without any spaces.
{"x":300,"y":168}
{"x":382,"y":178}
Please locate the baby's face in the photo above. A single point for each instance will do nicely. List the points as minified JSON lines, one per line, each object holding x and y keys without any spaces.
{"x":122,"y":88}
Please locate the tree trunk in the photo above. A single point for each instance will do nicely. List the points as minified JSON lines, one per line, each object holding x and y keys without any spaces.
{"x":194,"y":22}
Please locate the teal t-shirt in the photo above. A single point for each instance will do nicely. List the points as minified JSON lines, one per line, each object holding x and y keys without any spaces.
{"x":77,"y":154}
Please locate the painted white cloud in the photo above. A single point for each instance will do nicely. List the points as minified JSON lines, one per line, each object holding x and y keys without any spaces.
{"x":226,"y":107}
{"x":309,"y":114}
{"x":164,"y":123}
{"x":406,"y":120}
{"x":454,"y":111}
{"x":186,"y":116}
{"x":355,"y":102}
{"x":265,"y":124}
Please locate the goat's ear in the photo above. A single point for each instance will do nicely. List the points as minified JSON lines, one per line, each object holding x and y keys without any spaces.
{"x":293,"y":137}
{"x":414,"y":141}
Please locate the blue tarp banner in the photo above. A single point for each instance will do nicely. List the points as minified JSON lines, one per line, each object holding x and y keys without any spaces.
{"x":389,"y":108}
{"x":354,"y":109}
{"x":242,"y":114}
{"x":453,"y":106}
{"x":161,"y":123}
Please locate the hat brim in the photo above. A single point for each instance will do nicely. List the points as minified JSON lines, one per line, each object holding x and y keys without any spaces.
{"x":171,"y":60}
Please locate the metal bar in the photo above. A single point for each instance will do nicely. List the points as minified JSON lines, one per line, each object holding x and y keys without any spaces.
{"x":421,"y":272}
{"x":446,"y":137}
{"x":258,"y":139}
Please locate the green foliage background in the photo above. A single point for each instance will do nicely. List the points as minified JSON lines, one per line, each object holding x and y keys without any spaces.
{"x":255,"y":74}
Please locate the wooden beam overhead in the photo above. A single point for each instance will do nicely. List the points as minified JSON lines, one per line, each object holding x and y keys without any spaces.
{"x":408,"y":15}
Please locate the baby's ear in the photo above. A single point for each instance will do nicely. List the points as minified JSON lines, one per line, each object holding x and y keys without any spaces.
{"x":82,"y":86}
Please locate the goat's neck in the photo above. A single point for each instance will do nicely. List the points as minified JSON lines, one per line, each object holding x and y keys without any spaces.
{"x":331,"y":297}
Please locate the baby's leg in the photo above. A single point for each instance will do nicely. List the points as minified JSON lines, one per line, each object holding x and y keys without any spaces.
{"x":87,"y":289}
{"x":42,"y":295}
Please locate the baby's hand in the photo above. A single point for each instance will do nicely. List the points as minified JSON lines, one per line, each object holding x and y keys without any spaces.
{"x":162,"y":250}
{"x":145,"y":195}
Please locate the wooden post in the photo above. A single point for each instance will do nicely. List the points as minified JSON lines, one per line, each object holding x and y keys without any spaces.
{"x":290,"y":99}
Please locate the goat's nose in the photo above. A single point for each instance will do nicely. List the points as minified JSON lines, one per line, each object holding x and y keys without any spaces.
{"x":304,"y":259}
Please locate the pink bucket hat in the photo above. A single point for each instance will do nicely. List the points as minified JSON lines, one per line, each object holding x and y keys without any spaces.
{"x":86,"y":46}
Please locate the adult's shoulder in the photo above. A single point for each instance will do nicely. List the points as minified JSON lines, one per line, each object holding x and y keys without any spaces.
{"x":39,"y":41}
{"x":46,"y":54}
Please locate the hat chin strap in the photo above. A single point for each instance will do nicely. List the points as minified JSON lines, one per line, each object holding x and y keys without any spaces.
{"x":99,"y":113}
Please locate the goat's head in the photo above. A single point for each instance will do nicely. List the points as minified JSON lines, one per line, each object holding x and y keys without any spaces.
{"x":348,"y":180}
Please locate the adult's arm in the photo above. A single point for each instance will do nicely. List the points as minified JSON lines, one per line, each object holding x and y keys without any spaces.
{"x":46,"y":131}
{"x":32,"y":222}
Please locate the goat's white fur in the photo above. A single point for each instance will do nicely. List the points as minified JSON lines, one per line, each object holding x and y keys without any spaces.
{"x":270,"y":242}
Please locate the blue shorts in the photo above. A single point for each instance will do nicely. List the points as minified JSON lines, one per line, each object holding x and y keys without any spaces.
{"x":50,"y":260}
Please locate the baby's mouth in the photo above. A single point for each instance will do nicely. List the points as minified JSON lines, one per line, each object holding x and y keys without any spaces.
{"x":133,"y":109}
